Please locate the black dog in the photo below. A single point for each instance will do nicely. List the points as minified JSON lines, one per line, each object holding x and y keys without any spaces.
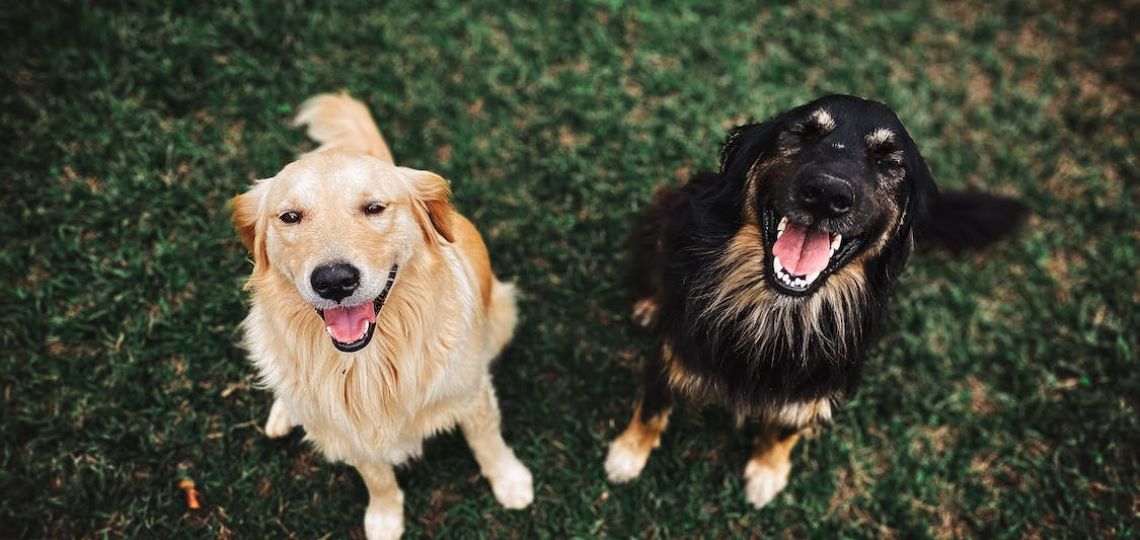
{"x":762,"y":282}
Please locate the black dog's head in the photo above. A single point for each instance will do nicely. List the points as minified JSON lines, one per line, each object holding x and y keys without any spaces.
{"x":827,"y":183}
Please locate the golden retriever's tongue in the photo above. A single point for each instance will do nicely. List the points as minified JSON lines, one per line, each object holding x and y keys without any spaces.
{"x":802,"y":252}
{"x":347,"y":324}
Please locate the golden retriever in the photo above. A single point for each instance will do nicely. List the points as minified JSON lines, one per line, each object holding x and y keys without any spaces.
{"x":374,"y":315}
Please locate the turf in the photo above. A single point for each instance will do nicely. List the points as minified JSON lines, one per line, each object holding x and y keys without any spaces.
{"x":1001,"y":401}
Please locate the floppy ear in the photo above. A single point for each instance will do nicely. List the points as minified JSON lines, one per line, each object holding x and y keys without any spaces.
{"x":247,"y":219}
{"x":915,"y":210}
{"x":923,"y":191}
{"x":431,"y":204}
{"x":745,"y":144}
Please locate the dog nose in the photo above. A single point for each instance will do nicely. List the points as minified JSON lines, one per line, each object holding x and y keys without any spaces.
{"x":826,"y":196}
{"x":335,"y":281}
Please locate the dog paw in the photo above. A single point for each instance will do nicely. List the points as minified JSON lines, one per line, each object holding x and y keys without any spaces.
{"x":763,"y":483}
{"x":513,"y":485}
{"x":645,"y":312}
{"x":383,"y":523}
{"x":279,"y":423}
{"x":625,"y":461}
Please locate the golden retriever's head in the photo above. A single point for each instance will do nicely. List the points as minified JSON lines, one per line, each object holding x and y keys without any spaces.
{"x":337,"y":227}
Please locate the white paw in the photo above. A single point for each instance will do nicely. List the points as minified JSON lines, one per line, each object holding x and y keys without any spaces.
{"x":625,"y":461}
{"x":279,"y":423}
{"x":384,"y":523}
{"x":512,"y":484}
{"x":763,"y":483}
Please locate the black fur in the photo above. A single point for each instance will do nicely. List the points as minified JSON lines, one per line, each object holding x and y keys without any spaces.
{"x":677,"y":244}
{"x":972,"y":220}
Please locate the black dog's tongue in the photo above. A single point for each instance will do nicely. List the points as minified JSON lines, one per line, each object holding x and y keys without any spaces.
{"x":803,"y":252}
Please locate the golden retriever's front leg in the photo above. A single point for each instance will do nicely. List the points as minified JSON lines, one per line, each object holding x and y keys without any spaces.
{"x":280,"y":422}
{"x":510,"y":480}
{"x":384,"y":519}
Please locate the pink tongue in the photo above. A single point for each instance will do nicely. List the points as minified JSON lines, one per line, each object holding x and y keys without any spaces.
{"x":802,"y":252}
{"x":347,"y":324}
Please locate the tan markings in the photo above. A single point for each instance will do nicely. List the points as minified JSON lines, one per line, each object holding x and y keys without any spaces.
{"x":630,"y":451}
{"x":879,"y":137}
{"x":803,"y":414}
{"x":766,"y":474}
{"x":470,"y":242}
{"x":823,"y":119}
{"x":642,"y":437}
{"x":772,"y":452}
{"x":750,"y":187}
{"x":741,"y":294}
{"x":752,"y":183}
{"x":645,"y":311}
{"x":682,"y":381}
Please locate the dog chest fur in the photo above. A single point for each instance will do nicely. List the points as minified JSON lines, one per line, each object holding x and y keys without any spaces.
{"x":378,"y":403}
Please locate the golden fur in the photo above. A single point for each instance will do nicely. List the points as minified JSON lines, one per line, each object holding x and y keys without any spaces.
{"x":444,"y":321}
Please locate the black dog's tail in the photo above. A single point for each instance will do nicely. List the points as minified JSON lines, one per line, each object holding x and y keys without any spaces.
{"x":972,"y":220}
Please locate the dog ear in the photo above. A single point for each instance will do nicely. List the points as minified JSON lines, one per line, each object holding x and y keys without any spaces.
{"x":748,"y":143}
{"x":742,"y":149}
{"x":916,"y":209}
{"x":923,"y":191}
{"x":744,"y":144}
{"x":246,"y":215}
{"x":432,"y":204}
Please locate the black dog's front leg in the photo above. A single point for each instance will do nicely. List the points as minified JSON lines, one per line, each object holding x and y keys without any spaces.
{"x":629,"y":452}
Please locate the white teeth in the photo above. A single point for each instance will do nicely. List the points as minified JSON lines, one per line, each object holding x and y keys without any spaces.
{"x":800,"y":282}
{"x":328,"y":330}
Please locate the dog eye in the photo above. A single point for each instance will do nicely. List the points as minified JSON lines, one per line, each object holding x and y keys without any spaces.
{"x":889,"y":159}
{"x":290,"y":217}
{"x":372,"y":209}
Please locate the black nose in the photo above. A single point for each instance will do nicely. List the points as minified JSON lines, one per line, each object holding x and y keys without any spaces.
{"x":335,"y":281}
{"x":826,"y":196}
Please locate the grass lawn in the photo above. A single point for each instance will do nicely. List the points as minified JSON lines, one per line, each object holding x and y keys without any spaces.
{"x":1003,"y":399}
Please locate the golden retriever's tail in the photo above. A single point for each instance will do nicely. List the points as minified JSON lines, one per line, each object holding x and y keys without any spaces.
{"x":502,"y":316}
{"x":339,"y":122}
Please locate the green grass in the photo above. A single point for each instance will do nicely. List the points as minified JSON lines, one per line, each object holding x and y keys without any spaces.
{"x":1002,"y":400}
